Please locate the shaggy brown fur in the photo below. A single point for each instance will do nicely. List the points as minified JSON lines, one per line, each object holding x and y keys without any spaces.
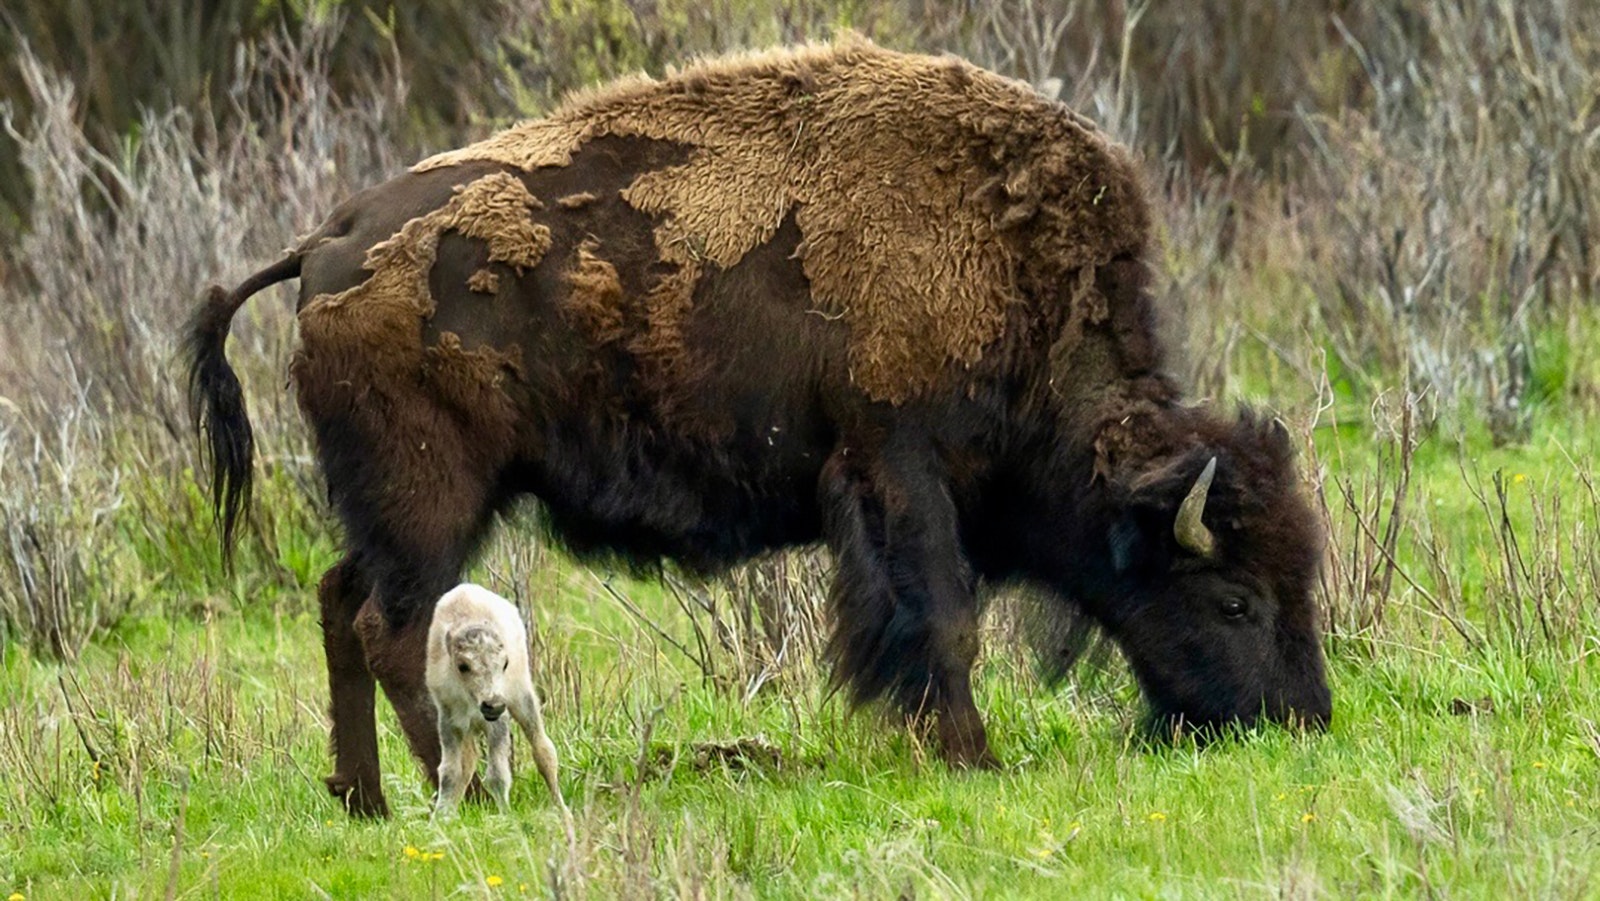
{"x":924,"y":266}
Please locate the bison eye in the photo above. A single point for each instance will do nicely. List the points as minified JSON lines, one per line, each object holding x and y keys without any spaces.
{"x":1234,"y":608}
{"x":464,"y":668}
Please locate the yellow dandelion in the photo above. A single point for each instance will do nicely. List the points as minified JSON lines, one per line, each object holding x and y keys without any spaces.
{"x":522,"y":886}
{"x":494,"y":881}
{"x":1538,"y":764}
{"x":412,"y":852}
{"x":205,"y":855}
{"x":1307,"y":817}
{"x":1280,"y":796}
{"x":15,"y":896}
{"x":1158,"y":817}
{"x":437,"y":855}
{"x":1519,"y":478}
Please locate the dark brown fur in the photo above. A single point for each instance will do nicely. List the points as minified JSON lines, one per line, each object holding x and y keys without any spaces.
{"x":668,"y":399}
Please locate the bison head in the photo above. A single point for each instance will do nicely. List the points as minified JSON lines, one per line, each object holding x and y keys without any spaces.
{"x":1214,"y":556}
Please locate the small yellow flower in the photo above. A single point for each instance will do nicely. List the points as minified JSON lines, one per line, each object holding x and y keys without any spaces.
{"x":1280,"y":796}
{"x":205,"y":855}
{"x":1519,"y":478}
{"x":522,"y":886}
{"x":494,"y":881}
{"x":15,"y":896}
{"x":412,"y":852}
{"x":437,"y":855}
{"x":1307,"y":817}
{"x":1158,"y":817}
{"x":1538,"y":764}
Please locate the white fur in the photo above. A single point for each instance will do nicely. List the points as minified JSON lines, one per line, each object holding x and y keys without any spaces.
{"x":474,"y":627}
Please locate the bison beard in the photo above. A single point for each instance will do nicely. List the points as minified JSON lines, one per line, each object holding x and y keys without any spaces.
{"x":833,"y":293}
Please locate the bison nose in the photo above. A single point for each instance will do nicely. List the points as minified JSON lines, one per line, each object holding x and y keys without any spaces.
{"x":491,"y":712}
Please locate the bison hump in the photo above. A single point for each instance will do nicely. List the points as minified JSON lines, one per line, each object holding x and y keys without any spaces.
{"x":927,"y":191}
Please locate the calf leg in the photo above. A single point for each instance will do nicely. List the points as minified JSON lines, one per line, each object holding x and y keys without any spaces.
{"x":525,"y":709}
{"x":905,"y":613}
{"x":355,"y":779}
{"x":497,"y":777}
{"x":457,"y":760}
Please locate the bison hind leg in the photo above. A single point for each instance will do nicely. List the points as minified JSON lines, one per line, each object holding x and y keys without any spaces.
{"x":353,"y":729}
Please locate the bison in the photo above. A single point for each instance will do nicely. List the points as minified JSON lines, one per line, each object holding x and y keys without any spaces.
{"x":893,"y":303}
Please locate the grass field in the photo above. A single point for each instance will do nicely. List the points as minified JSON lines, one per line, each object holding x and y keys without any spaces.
{"x":183,"y":753}
{"x":1376,"y":220}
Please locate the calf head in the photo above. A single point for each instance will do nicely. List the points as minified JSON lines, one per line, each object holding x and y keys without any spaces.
{"x":481,"y":664}
{"x":1214,"y":555}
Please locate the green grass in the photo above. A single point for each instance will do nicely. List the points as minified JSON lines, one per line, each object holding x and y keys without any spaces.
{"x":1403,"y":796}
{"x":1453,"y":768}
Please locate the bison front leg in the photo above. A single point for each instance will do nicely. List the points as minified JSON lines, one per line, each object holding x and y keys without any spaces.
{"x":905,"y":613}
{"x":355,"y":779}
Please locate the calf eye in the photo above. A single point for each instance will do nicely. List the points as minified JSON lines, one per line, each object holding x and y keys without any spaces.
{"x":1234,"y":608}
{"x":464,"y":668}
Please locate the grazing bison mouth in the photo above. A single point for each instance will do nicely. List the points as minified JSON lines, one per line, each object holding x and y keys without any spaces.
{"x":1165,"y":722}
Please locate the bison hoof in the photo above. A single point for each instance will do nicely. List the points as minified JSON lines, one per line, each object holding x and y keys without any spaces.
{"x":361,"y":801}
{"x":979,"y":759}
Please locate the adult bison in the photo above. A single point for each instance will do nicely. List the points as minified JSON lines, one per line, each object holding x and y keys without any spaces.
{"x":892,"y":302}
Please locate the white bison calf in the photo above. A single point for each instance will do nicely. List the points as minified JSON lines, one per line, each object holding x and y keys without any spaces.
{"x":477,"y":671}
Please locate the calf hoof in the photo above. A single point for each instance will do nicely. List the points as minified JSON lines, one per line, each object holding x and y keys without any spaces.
{"x":361,"y":801}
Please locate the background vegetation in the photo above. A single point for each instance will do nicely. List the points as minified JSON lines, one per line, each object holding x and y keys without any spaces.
{"x":1380,"y":221}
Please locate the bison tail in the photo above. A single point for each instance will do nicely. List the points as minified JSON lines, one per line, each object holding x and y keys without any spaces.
{"x":216,"y":401}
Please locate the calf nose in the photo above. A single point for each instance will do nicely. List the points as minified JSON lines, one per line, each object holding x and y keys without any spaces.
{"x":491,"y":712}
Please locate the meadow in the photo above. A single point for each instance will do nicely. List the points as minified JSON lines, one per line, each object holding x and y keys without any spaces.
{"x":1378,"y":223}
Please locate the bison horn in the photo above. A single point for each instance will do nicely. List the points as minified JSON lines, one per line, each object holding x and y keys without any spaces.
{"x":1188,"y":529}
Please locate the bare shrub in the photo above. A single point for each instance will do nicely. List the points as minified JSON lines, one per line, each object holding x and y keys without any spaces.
{"x":58,"y":545}
{"x":1455,"y":215}
{"x":760,"y":622}
{"x":113,"y":255}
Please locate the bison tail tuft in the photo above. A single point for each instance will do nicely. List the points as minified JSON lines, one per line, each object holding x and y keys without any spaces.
{"x":216,"y":399}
